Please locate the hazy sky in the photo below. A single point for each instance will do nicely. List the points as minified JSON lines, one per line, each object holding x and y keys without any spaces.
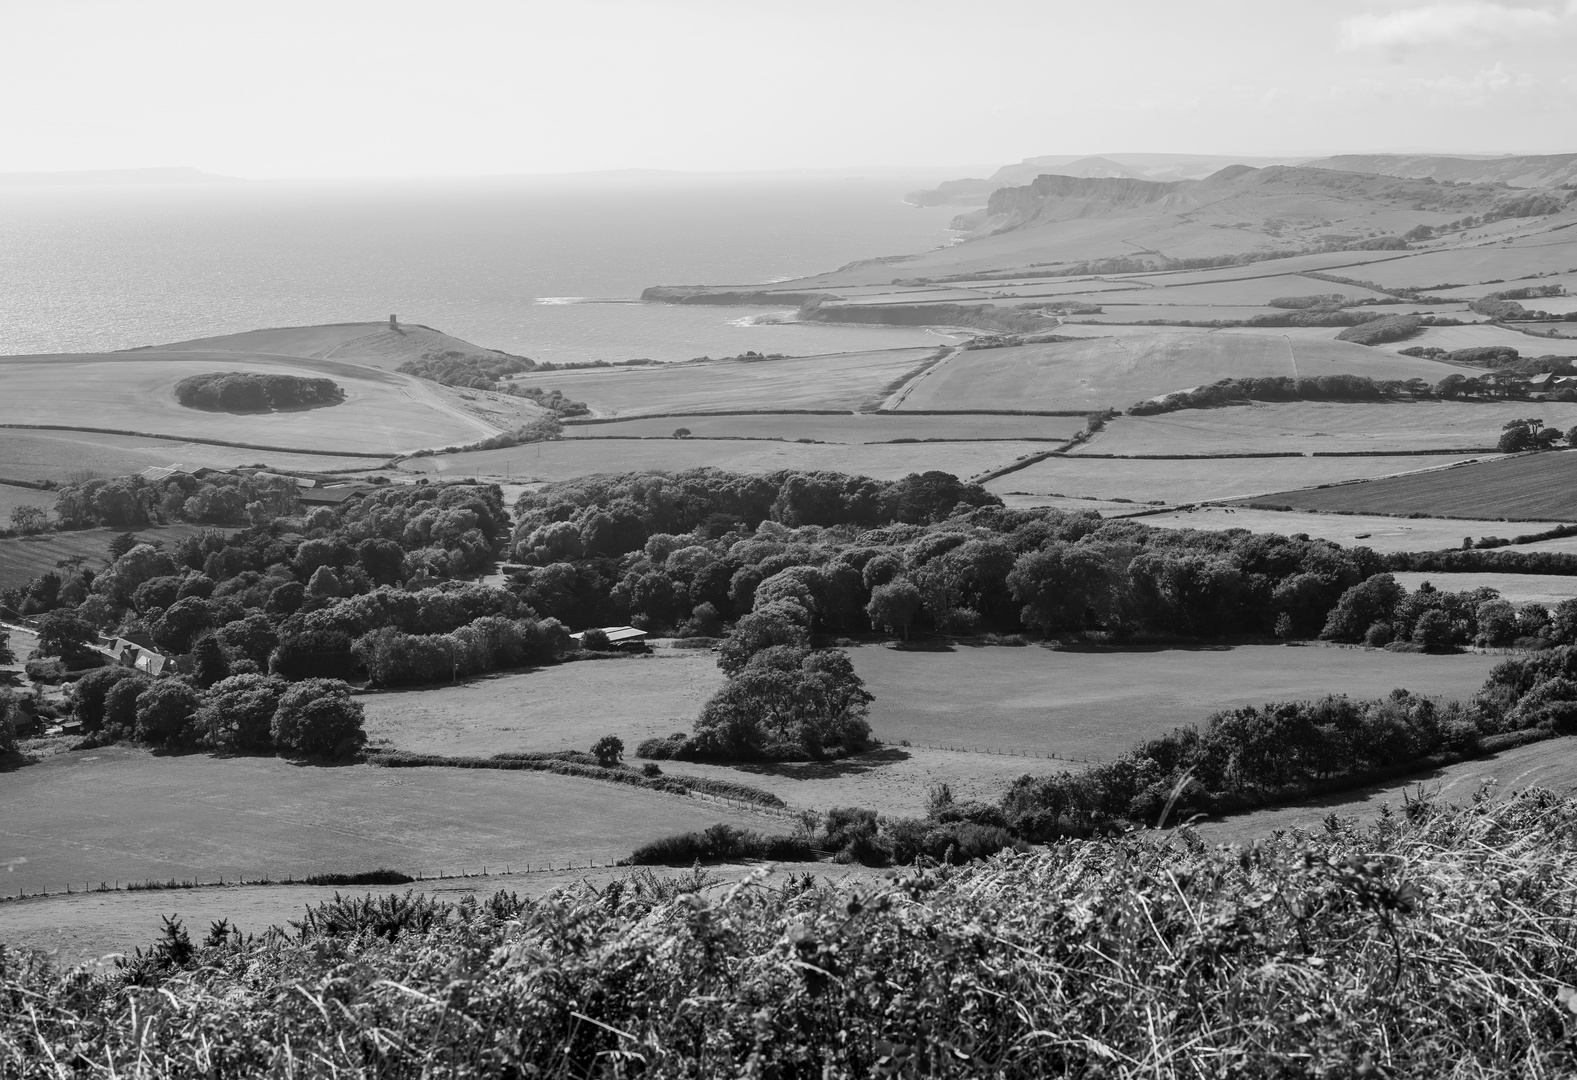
{"x":463,"y":87}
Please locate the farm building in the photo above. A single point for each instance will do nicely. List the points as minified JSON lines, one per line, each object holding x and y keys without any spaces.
{"x":134,"y":651}
{"x":620,"y":637}
{"x":333,"y":495}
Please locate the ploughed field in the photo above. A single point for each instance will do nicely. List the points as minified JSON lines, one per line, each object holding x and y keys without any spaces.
{"x":1184,"y":481}
{"x":1528,"y":486}
{"x":862,"y":428}
{"x":22,"y":558}
{"x":1097,"y":703}
{"x":568,"y":458}
{"x":125,"y":814}
{"x":383,"y":412}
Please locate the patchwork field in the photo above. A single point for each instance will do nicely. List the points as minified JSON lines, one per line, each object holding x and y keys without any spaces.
{"x":835,"y":381}
{"x":1526,"y":487}
{"x":1118,"y":371}
{"x":23,"y":558}
{"x":124,"y":814}
{"x":569,"y":458}
{"x":1205,"y":479}
{"x":69,"y":456}
{"x":1381,"y":533}
{"x":382,"y":412}
{"x":1324,"y":426}
{"x":864,"y":428}
{"x":1096,"y":703}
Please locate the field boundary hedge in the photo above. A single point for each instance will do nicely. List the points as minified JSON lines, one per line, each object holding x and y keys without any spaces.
{"x":196,"y":439}
{"x":724,"y":790}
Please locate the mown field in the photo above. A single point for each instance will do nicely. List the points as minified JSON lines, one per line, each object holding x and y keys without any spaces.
{"x":1096,"y":703}
{"x":1202,"y":479}
{"x":1527,"y":487}
{"x":836,"y":381}
{"x":1118,"y":371}
{"x":1324,"y":426}
{"x":1381,"y":533}
{"x":864,"y":428}
{"x":126,"y":814}
{"x":23,"y":558}
{"x":570,"y":458}
{"x":382,"y":412}
{"x":68,"y":456}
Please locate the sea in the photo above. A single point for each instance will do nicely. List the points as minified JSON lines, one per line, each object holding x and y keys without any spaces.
{"x":550,"y":268}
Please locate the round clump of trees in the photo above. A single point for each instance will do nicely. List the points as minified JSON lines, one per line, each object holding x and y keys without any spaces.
{"x":254,"y":392}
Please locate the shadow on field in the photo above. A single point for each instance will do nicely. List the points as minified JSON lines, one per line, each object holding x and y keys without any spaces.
{"x":826,"y":770}
{"x":1145,"y":647}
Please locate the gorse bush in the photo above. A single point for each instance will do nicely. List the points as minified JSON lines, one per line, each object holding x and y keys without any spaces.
{"x":1435,"y":944}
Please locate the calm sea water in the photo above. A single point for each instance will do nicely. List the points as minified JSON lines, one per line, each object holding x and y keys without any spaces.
{"x":546,"y":268}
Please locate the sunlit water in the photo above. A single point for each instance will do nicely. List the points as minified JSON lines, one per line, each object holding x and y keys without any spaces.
{"x":548,"y":269}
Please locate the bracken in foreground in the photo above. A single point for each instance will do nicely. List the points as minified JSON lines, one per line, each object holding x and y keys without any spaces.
{"x":1440,"y":943}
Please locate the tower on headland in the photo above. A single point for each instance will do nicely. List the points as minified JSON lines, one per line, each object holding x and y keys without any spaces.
{"x":394,"y":323}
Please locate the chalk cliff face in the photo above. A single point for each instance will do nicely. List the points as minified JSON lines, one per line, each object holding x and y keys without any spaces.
{"x":1062,"y":197}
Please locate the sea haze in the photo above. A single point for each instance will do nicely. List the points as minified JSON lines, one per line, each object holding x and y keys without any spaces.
{"x":549,"y":268}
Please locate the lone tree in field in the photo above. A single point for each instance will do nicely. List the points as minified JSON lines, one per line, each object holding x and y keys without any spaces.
{"x":608,"y":750}
{"x":317,"y":717}
{"x":894,"y":605}
{"x":681,"y":433}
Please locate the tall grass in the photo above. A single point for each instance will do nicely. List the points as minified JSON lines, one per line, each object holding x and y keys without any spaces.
{"x":1438,"y":944}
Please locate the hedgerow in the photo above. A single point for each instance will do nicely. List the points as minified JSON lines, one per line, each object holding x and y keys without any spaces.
{"x":1435,"y":944}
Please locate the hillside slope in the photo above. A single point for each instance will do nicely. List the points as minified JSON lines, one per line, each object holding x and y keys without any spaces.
{"x":1526,"y":171}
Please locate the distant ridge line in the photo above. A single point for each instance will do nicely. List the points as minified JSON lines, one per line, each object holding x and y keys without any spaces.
{"x":205,"y":442}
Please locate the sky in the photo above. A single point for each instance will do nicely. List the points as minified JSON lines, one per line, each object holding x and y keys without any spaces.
{"x":392,"y":88}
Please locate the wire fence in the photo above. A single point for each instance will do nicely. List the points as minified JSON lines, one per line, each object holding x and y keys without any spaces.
{"x":547,"y":866}
{"x":999,"y":751}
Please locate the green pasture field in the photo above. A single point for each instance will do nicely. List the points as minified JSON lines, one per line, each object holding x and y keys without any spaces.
{"x":864,"y":428}
{"x":1096,"y":703}
{"x":570,"y":706}
{"x":1518,"y":588}
{"x":23,"y":558}
{"x":124,"y":814}
{"x":1478,"y":335}
{"x":1324,"y":426}
{"x":1118,"y":371}
{"x":1529,"y":486}
{"x":569,"y":458}
{"x":135,"y":391}
{"x":834,"y":381}
{"x":1200,"y":480}
{"x":1381,"y":533}
{"x":565,"y":707}
{"x":70,"y":456}
{"x":1541,"y":252}
{"x":1551,"y":764}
